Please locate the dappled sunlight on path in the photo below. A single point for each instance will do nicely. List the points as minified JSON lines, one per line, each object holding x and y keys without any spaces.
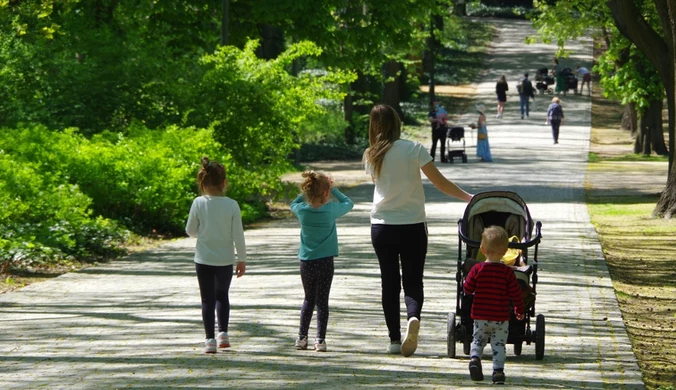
{"x":136,"y":322}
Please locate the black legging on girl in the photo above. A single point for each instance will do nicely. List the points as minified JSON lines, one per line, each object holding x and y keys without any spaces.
{"x":316,"y":276}
{"x":214,"y":285}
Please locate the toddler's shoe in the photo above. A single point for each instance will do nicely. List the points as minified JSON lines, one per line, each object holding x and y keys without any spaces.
{"x":499,"y":377}
{"x":394,"y":348}
{"x":320,"y":346}
{"x":475,"y":371}
{"x":301,"y":342}
{"x":223,"y":340}
{"x":410,"y":343}
{"x":210,"y":346}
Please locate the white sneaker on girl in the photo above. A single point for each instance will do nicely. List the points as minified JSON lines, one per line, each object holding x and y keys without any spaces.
{"x":210,"y":346}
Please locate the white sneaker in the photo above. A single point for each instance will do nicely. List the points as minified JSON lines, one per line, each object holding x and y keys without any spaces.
{"x":301,"y":343}
{"x":320,"y":346}
{"x":210,"y":346}
{"x":223,"y":340}
{"x":394,"y":348}
{"x":410,"y":343}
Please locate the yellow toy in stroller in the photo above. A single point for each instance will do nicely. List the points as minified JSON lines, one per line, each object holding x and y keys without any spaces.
{"x":506,"y":209}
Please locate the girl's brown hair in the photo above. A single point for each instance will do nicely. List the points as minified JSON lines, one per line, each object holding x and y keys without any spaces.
{"x":315,"y":185}
{"x":384,"y":129}
{"x":502,"y":79}
{"x":211,"y":176}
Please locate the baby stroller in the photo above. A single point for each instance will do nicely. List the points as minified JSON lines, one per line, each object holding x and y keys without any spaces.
{"x":543,"y":81}
{"x":571,"y":80}
{"x":456,"y":134}
{"x":508,"y":210}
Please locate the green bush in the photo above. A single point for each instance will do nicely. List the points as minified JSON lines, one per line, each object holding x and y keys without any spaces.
{"x":43,"y":221}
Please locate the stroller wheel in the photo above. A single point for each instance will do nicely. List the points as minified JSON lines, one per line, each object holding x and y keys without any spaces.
{"x":450,"y":339}
{"x":540,"y":337}
{"x":464,"y":158}
{"x":517,"y":348}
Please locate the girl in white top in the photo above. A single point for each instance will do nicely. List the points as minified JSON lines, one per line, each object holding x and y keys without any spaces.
{"x":398,"y":230}
{"x":216,"y":221}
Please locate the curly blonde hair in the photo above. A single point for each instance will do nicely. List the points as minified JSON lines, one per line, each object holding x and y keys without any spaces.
{"x":315,"y":185}
{"x":384,"y":129}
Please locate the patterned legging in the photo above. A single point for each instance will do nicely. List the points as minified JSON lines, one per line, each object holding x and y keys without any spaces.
{"x":497,"y":331}
{"x":316,"y":276}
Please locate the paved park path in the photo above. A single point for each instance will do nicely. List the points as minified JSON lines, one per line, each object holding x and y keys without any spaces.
{"x":135,"y":323}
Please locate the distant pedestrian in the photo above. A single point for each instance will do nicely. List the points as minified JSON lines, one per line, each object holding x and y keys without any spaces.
{"x":494,"y":287}
{"x":555,"y":117}
{"x":317,"y":214}
{"x":501,"y":89}
{"x":398,"y":222}
{"x":216,"y":221}
{"x":526,"y":92}
{"x":438,"y":118}
{"x":586,"y":78}
{"x":483,"y":148}
{"x":560,"y":77}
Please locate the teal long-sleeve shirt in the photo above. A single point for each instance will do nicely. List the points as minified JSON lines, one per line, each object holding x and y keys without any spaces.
{"x":318,"y":237}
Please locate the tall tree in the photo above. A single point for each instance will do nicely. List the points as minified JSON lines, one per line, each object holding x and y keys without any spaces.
{"x":659,"y":48}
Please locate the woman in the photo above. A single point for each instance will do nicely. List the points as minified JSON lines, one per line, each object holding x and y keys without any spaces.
{"x":483,"y":148}
{"x":555,"y":117}
{"x":501,"y":89}
{"x":398,"y":230}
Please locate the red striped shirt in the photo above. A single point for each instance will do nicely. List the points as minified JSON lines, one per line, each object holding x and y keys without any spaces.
{"x":494,"y":285}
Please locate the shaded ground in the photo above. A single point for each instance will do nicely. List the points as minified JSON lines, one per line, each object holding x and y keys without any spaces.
{"x":638,"y":249}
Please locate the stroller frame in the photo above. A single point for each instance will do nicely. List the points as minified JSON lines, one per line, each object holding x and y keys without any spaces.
{"x":461,"y":330}
{"x":455,"y":134}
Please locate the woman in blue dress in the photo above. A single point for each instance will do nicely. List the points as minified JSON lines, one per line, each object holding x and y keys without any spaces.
{"x":483,"y":149}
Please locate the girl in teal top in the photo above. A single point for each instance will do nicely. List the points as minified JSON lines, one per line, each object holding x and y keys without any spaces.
{"x":317,"y":214}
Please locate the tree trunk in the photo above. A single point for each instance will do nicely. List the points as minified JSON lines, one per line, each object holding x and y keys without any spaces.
{"x":391,"y":95}
{"x":348,"y":109}
{"x":651,"y":134}
{"x":430,"y":60}
{"x":661,"y":52}
{"x":657,"y":128}
{"x":629,"y":119}
{"x":225,"y":21}
{"x":460,"y":8}
{"x":272,"y":41}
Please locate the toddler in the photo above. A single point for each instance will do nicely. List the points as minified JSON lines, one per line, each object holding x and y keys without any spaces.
{"x":318,"y":245}
{"x":488,"y":281}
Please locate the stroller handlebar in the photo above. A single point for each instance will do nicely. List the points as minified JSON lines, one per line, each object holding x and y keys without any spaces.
{"x":518,"y":245}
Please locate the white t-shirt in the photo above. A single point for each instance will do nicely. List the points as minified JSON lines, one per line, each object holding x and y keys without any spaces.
{"x":216,"y":221}
{"x":398,"y":197}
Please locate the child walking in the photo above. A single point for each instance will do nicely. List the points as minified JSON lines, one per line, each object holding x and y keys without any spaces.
{"x":318,"y":245}
{"x":216,"y":221}
{"x":488,"y":281}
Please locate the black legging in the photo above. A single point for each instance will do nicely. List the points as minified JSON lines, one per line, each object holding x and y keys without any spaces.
{"x":214,"y":285}
{"x":439,"y":134}
{"x":316,"y":276}
{"x":408,"y":244}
